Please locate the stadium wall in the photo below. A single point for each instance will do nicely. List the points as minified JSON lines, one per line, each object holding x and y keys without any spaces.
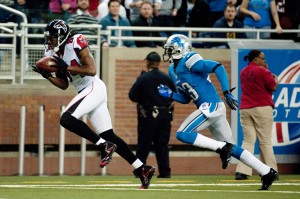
{"x":120,"y":67}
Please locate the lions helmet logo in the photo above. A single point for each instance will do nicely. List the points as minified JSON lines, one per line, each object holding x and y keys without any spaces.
{"x":176,"y":40}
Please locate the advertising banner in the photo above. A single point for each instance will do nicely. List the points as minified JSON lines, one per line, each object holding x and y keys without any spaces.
{"x":285,"y":63}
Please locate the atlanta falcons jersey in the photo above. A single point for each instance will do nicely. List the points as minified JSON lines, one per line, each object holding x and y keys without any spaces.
{"x":72,"y":48}
{"x":191,"y":77}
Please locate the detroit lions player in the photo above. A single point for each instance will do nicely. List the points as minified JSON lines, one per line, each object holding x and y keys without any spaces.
{"x":190,"y":72}
{"x":75,"y":61}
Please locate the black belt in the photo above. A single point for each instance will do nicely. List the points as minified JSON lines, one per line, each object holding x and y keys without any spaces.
{"x":157,"y":107}
{"x":146,"y":111}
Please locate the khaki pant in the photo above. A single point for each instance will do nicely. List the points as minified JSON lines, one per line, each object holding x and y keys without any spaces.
{"x":257,"y":122}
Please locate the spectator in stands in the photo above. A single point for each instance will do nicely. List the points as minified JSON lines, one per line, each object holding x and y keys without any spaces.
{"x":146,"y":19}
{"x":134,"y":7}
{"x":227,"y":21}
{"x":257,"y":15}
{"x":61,"y":9}
{"x":216,"y":8}
{"x":83,"y":16}
{"x":289,"y":18}
{"x":189,"y":7}
{"x":30,"y":9}
{"x":197,"y":17}
{"x":5,"y":17}
{"x":93,"y":9}
{"x":239,"y":15}
{"x":167,"y":13}
{"x":103,"y":10}
{"x":114,"y":19}
{"x":181,"y":17}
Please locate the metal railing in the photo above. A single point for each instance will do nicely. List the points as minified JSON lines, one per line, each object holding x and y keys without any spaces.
{"x":8,"y":36}
{"x":188,"y":32}
{"x":32,"y":52}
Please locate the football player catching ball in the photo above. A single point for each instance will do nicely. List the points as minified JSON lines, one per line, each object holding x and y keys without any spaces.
{"x":75,"y":62}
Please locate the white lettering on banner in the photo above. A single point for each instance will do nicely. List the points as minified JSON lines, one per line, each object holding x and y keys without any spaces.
{"x":287,"y":111}
{"x":283,"y":98}
{"x":275,"y":113}
{"x":293,"y":103}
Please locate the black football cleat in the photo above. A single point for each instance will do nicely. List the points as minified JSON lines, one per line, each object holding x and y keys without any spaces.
{"x":241,"y":176}
{"x":106,"y":149}
{"x":268,"y":179}
{"x":225,"y":154}
{"x":145,"y":174}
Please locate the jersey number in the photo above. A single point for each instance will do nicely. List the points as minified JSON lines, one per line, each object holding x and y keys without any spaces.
{"x":190,"y":90}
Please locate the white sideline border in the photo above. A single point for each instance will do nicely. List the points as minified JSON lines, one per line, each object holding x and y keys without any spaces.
{"x":124,"y":187}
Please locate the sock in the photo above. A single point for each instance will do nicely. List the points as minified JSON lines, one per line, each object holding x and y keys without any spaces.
{"x":137,"y":164}
{"x":122,"y":148}
{"x":208,"y":143}
{"x":250,"y":160}
{"x":100,"y":141}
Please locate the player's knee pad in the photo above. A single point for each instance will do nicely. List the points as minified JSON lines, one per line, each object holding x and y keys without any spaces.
{"x":185,"y":137}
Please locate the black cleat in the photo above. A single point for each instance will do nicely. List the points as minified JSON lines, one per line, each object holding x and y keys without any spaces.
{"x":268,"y":179}
{"x":241,"y":176}
{"x":225,"y":154}
{"x":145,"y":174}
{"x":106,"y":149}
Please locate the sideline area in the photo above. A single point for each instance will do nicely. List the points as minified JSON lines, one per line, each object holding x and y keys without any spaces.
{"x":209,"y":186}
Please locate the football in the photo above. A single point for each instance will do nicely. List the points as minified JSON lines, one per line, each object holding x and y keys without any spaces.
{"x":46,"y":64}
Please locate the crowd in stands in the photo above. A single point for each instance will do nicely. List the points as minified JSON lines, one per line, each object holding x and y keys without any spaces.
{"x":275,"y":14}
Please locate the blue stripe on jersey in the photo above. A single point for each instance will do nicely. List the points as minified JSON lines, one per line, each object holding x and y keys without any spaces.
{"x":237,"y":151}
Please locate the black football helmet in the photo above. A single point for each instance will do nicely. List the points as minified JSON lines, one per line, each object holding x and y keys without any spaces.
{"x":59,"y":29}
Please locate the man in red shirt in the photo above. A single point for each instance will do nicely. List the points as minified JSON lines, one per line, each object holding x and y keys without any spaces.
{"x":256,"y":110}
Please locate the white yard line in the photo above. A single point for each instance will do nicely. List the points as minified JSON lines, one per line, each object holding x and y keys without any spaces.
{"x":134,"y":185}
{"x":172,"y":187}
{"x":117,"y":187}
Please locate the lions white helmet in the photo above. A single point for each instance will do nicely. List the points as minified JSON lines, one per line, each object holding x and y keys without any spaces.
{"x":176,"y":47}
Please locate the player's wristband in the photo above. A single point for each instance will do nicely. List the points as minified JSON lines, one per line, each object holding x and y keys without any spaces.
{"x":50,"y":75}
{"x":228,"y":91}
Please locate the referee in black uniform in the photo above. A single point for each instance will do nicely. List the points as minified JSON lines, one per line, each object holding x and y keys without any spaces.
{"x":154,"y":114}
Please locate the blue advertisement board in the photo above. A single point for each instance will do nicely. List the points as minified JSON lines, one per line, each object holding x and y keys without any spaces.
{"x":285,"y":63}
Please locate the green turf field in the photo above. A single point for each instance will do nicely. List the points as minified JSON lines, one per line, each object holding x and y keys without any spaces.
{"x":126,"y":187}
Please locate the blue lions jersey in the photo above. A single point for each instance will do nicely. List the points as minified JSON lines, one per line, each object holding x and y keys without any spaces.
{"x":191,"y":77}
